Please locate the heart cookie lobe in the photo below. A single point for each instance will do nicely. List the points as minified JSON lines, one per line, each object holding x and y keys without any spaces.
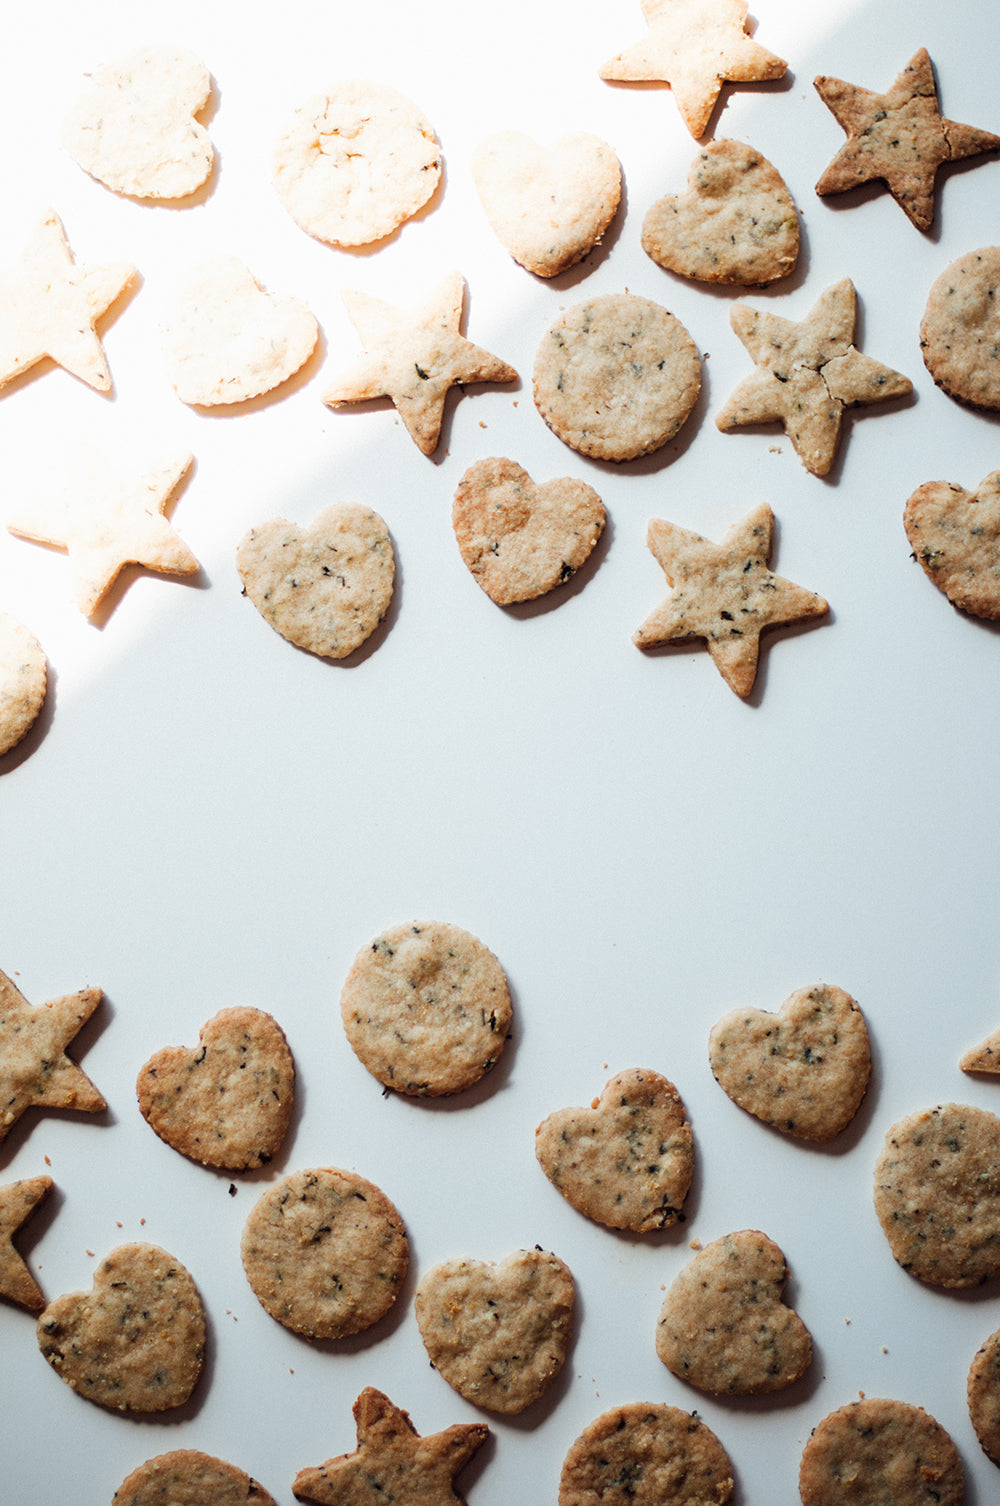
{"x":226,"y":1103}
{"x":627,"y":1161}
{"x":497,"y":1333}
{"x":955,"y":538}
{"x":804,"y":1069}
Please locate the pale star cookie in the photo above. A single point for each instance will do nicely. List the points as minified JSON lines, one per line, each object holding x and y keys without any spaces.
{"x":955,"y":537}
{"x":18,"y":1200}
{"x":23,"y":681}
{"x":646,"y":1454}
{"x":960,"y":330}
{"x":35,"y":1071}
{"x":880,"y":1452}
{"x":186,"y":1477}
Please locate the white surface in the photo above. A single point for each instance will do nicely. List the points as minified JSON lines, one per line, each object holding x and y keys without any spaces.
{"x":208,"y":817}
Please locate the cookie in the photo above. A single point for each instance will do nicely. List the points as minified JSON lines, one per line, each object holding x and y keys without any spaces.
{"x":960,"y":329}
{"x":615,"y":377}
{"x":983,"y":1058}
{"x":325,"y":1253}
{"x":803,"y":1070}
{"x":520,"y":538}
{"x":807,"y":373}
{"x":723,"y":1326}
{"x":228,"y":1102}
{"x":736,"y":222}
{"x":983,"y":1395}
{"x":185,"y":1477}
{"x":352,"y":164}
{"x":937,"y":1194}
{"x":135,"y":128}
{"x":392,"y":1462}
{"x":23,"y":681}
{"x":18,"y":1200}
{"x":498,"y":1333}
{"x":548,"y":205}
{"x":646,"y":1454}
{"x":627,"y":1161}
{"x":136,"y":1341}
{"x":879,"y":1452}
{"x":426,"y":1008}
{"x":35,"y":1071}
{"x":955,"y":537}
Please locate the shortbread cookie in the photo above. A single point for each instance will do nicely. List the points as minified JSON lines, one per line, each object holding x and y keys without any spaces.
{"x":136,"y":1341}
{"x":426,"y":1008}
{"x":392,"y":1462}
{"x":877,"y":1452}
{"x":520,"y":538}
{"x":646,"y":1454}
{"x":983,"y":1395}
{"x":228,"y":1102}
{"x":803,"y":1070}
{"x":23,"y":681}
{"x":937,"y":1194}
{"x":185,"y":1477}
{"x":627,"y":1161}
{"x":549,"y":206}
{"x":983,"y":1058}
{"x":135,"y":126}
{"x":960,"y":330}
{"x":35,"y":1071}
{"x":497,"y":1333}
{"x":955,"y":536}
{"x":615,"y":377}
{"x":723,"y":1326}
{"x":736,"y":223}
{"x":18,"y":1200}
{"x":353,"y":164}
{"x":325,"y":1253}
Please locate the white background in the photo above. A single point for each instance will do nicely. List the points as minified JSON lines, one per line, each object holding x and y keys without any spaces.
{"x":208,"y":817}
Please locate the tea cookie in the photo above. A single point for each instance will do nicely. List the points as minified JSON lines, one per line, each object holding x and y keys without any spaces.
{"x":628,"y":1160}
{"x":136,"y":1341}
{"x":983,"y":1395}
{"x":426,"y":1008}
{"x":35,"y":1071}
{"x":937,"y":1194}
{"x":18,"y":1201}
{"x":325,"y":1253}
{"x":185,"y":1477}
{"x":324,"y":586}
{"x":960,"y":330}
{"x":352,"y":164}
{"x":736,"y":223}
{"x":983,"y":1058}
{"x":878,"y":1452}
{"x":23,"y":681}
{"x":955,"y":537}
{"x":615,"y":377}
{"x":646,"y":1454}
{"x":803,"y":1070}
{"x":497,"y":1333}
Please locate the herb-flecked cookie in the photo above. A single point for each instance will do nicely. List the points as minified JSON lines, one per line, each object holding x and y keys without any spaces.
{"x":426,"y":1008}
{"x":35,"y":1071}
{"x":880,"y":1452}
{"x":983,"y":1395}
{"x":955,"y":537}
{"x":960,"y":330}
{"x":23,"y":681}
{"x":136,"y":1341}
{"x":325,"y":1253}
{"x":627,"y":1161}
{"x":498,"y":1333}
{"x":186,"y":1477}
{"x":646,"y":1454}
{"x":18,"y":1200}
{"x":983,"y":1058}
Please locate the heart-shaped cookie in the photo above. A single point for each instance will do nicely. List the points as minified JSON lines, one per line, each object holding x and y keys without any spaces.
{"x":723,"y":1325}
{"x":521,"y":539}
{"x":548,"y":205}
{"x":228,"y":1101}
{"x":955,"y":536}
{"x":497,"y":1333}
{"x":136,"y":1341}
{"x":803,"y":1070}
{"x":324,"y":586}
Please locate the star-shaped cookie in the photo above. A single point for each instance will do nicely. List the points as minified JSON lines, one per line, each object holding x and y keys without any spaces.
{"x":107,"y":521}
{"x":18,"y":1200}
{"x":695,"y":46}
{"x":899,"y":137}
{"x":49,"y":306}
{"x":414,"y":358}
{"x":392,"y":1462}
{"x":724,"y":593}
{"x":807,"y":373}
{"x":35,"y":1071}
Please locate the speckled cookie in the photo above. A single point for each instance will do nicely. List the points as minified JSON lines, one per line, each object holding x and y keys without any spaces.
{"x":615,"y":377}
{"x":497,"y":1332}
{"x":627,"y":1161}
{"x":983,"y":1058}
{"x":186,"y":1477}
{"x":646,"y":1454}
{"x":983,"y":1395}
{"x":325,"y":1253}
{"x":18,"y":1200}
{"x":879,"y":1452}
{"x":955,"y":537}
{"x":23,"y":681}
{"x":426,"y":1008}
{"x":960,"y":330}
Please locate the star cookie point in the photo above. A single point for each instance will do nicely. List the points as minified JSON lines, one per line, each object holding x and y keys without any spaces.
{"x":35,"y":1071}
{"x":18,"y":1200}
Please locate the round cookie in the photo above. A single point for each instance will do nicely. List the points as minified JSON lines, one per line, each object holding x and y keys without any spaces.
{"x":186,"y":1477}
{"x":615,"y":377}
{"x":960,"y":330}
{"x":955,"y":537}
{"x":646,"y":1454}
{"x":878,"y":1452}
{"x":23,"y":680}
{"x":983,"y":1395}
{"x":426,"y":1008}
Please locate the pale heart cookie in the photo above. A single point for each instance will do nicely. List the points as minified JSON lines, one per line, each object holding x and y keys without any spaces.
{"x":23,"y":681}
{"x":627,"y":1161}
{"x":983,"y":1058}
{"x":134,"y":127}
{"x":646,"y":1454}
{"x":803,"y":1070}
{"x":960,"y":330}
{"x":18,"y":1200}
{"x":228,"y":1102}
{"x":226,"y":340}
{"x":880,"y":1452}
{"x":955,"y":537}
{"x":723,"y":1326}
{"x":983,"y":1395}
{"x":325,"y":586}
{"x":736,"y":223}
{"x":136,"y":1341}
{"x":520,"y":538}
{"x":186,"y":1477}
{"x":550,"y":205}
{"x":497,"y":1333}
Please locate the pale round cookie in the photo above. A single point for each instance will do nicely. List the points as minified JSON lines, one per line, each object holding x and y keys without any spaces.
{"x":23,"y":680}
{"x":983,"y":1395}
{"x":186,"y":1477}
{"x":353,"y":164}
{"x":615,"y":377}
{"x":646,"y":1454}
{"x":960,"y":329}
{"x":325,"y":1253}
{"x":955,"y":538}
{"x":878,"y":1452}
{"x":426,"y":1008}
